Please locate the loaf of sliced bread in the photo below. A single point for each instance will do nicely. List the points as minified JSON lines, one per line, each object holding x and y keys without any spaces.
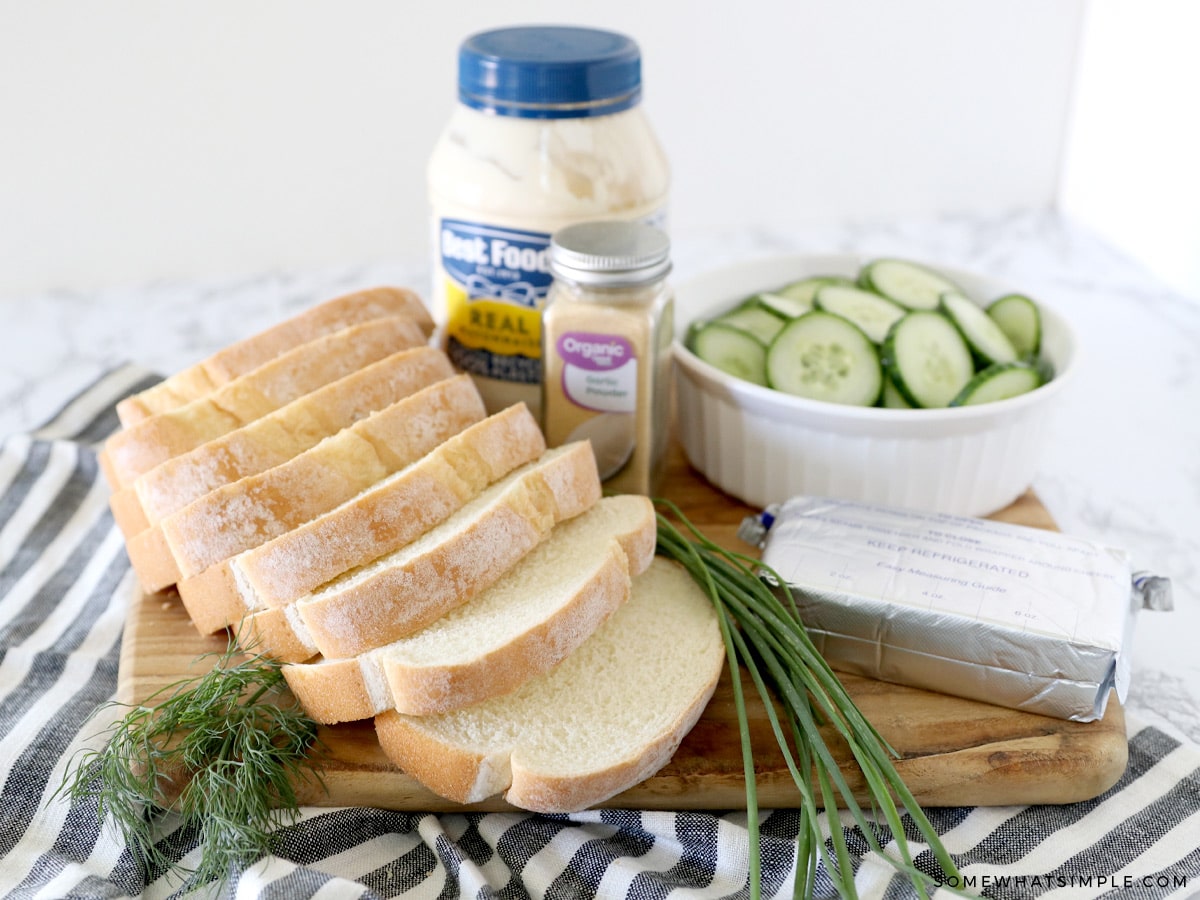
{"x":137,"y":449}
{"x":248,"y":512}
{"x":275,"y":438}
{"x":409,"y":589}
{"x":237,"y":359}
{"x":606,"y":718}
{"x":389,"y":514}
{"x":525,"y":624}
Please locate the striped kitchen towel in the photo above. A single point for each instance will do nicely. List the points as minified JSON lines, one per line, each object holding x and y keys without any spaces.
{"x":65,"y":584}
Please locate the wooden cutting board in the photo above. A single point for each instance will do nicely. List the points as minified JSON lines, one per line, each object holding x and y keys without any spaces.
{"x":953,"y":752}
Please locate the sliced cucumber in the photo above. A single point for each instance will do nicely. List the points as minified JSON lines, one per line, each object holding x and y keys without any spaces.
{"x":891,"y":398}
{"x":927,"y":359}
{"x":998,"y":382}
{"x":911,"y":285}
{"x":731,"y":350}
{"x":804,"y":290}
{"x":1045,"y":368}
{"x":755,"y":320}
{"x":899,"y":336}
{"x":872,"y":313}
{"x":824,"y":357}
{"x":986,"y":339}
{"x":1021,"y":320}
{"x":782,"y":305}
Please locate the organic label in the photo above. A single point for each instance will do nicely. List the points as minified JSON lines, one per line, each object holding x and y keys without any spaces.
{"x":599,"y":371}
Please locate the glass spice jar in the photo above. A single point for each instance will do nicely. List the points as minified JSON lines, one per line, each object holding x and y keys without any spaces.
{"x":606,"y":339}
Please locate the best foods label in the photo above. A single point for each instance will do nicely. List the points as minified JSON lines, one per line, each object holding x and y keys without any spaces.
{"x":496,"y":280}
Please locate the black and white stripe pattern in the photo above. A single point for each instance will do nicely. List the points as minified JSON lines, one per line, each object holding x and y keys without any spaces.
{"x":65,"y":584}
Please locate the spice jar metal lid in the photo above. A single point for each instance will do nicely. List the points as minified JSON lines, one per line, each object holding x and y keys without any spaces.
{"x":610,"y":253}
{"x":549,"y":72}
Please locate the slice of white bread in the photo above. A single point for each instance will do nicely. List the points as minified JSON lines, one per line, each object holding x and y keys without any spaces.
{"x":132,"y":451}
{"x":274,"y":438}
{"x":606,"y":718}
{"x":385,"y":516}
{"x":524,"y":624}
{"x":237,"y":359}
{"x":248,"y":512}
{"x":389,"y":514}
{"x":409,"y":589}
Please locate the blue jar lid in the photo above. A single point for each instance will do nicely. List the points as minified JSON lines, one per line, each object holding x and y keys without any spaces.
{"x":549,"y":72}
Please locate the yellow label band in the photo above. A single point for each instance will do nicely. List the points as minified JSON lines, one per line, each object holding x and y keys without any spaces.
{"x":493,"y":325}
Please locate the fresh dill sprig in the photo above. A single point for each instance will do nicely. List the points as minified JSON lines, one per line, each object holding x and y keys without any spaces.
{"x":224,"y":751}
{"x":765,"y":639}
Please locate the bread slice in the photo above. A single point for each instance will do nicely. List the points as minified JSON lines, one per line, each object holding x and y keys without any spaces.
{"x":606,"y":718}
{"x":248,"y":512}
{"x":132,"y":451}
{"x":409,"y":589}
{"x":523,"y":625}
{"x":275,"y":438}
{"x":248,"y":354}
{"x":389,"y":514}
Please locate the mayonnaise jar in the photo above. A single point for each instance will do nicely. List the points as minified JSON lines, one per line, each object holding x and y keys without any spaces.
{"x":548,"y":132}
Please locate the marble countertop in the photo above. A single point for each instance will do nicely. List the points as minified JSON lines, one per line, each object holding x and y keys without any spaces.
{"x":1123,"y":464}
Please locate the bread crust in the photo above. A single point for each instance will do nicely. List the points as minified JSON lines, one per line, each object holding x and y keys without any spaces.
{"x":333,"y":691}
{"x":152,"y":560}
{"x":470,"y":770}
{"x":461,"y":774}
{"x":251,"y":352}
{"x":127,"y":511}
{"x":364,"y":527}
{"x":270,"y":633}
{"x":149,"y":442}
{"x":392,"y":514}
{"x":428,"y":690}
{"x":402,"y":599}
{"x":212,"y":600}
{"x":274,"y":438}
{"x":289,"y":431}
{"x":542,"y":792}
{"x":248,"y":512}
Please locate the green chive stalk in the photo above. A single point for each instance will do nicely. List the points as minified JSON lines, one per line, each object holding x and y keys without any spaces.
{"x":766,"y":640}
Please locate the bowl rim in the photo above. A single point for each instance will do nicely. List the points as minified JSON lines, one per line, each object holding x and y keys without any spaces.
{"x":766,"y":399}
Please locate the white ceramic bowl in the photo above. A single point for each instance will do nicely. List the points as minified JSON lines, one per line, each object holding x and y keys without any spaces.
{"x":763,"y":446}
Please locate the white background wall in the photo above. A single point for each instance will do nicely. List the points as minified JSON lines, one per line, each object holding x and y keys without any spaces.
{"x":1132,"y":169}
{"x":142,"y":140}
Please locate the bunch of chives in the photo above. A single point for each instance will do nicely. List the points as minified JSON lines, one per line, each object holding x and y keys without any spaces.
{"x":765,"y":639}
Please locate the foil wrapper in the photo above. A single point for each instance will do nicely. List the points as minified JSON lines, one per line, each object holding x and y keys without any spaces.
{"x":1015,"y":616}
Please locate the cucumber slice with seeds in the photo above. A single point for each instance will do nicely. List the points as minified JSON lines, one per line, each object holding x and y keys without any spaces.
{"x":824,"y":357}
{"x":1021,"y":320}
{"x":872,"y":313}
{"x":912,"y":286}
{"x":985,"y":337}
{"x":927,"y":359}
{"x":998,"y":382}
{"x":731,"y":350}
{"x":753,"y":319}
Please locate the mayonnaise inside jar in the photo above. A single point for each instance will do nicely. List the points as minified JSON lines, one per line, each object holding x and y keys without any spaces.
{"x":548,"y":132}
